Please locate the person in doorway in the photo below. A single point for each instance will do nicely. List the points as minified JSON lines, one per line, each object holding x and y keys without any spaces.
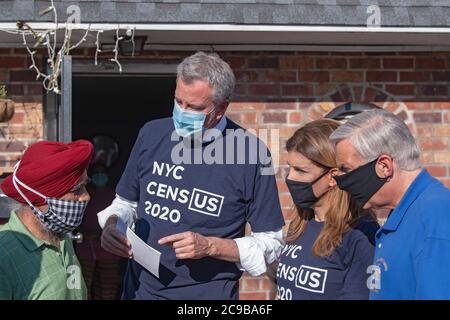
{"x":193,"y":211}
{"x":37,"y":259}
{"x":380,"y":164}
{"x":329,"y":244}
{"x":103,"y":271}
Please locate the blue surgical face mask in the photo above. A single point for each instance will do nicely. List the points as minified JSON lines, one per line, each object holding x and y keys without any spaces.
{"x":100,"y":179}
{"x":188,"y":122}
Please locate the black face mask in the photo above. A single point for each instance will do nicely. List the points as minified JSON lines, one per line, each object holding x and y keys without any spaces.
{"x":361,"y":183}
{"x":302,"y":192}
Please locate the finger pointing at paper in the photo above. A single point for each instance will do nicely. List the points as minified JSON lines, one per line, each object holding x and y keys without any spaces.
{"x":188,"y":245}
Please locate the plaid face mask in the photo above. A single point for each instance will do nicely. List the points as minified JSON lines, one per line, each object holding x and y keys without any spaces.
{"x":61,"y":216}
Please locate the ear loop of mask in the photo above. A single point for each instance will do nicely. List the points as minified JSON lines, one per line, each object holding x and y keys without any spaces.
{"x":17,"y":181}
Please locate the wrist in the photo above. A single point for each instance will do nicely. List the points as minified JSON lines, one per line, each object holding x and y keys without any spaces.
{"x":212,"y":250}
{"x":111,"y":220}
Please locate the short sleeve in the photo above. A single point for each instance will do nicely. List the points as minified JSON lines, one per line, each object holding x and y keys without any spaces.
{"x":264,"y":210}
{"x":361,"y":257}
{"x":128,"y":186}
{"x":432,"y":269}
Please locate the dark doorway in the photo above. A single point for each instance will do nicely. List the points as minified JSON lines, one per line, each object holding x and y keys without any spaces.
{"x":118,"y":106}
{"x":115,"y":107}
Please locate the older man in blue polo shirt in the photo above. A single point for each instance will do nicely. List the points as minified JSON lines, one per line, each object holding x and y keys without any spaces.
{"x":380,"y":162}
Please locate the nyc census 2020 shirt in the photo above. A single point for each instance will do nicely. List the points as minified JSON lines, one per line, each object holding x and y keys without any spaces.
{"x":210,"y":199}
{"x":301,"y":275}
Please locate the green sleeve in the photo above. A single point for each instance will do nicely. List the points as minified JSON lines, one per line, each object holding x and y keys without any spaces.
{"x":6,"y":292}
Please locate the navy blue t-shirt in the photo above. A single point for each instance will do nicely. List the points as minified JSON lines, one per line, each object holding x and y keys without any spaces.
{"x":301,"y":275}
{"x":213,"y":199}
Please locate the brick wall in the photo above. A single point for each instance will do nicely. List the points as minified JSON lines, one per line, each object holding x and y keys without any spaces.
{"x":284,"y":90}
{"x":26,"y":126}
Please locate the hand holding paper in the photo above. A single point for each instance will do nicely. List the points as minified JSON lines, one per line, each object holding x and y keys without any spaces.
{"x":143,"y":254}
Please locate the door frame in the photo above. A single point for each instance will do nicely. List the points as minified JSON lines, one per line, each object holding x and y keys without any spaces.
{"x":58,"y":108}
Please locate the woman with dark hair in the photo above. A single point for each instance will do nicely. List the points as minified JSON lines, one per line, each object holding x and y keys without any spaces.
{"x":329,"y":244}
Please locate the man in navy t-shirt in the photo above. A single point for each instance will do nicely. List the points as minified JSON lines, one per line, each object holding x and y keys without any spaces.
{"x":190,"y":192}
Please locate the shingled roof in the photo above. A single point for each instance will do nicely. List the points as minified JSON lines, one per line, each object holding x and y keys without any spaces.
{"x":403,"y":13}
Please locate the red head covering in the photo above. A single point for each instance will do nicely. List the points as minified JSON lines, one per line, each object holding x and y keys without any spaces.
{"x":51,"y":168}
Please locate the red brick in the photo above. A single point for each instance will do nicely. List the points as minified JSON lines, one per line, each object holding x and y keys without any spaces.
{"x":11,"y":146}
{"x":296,"y":90}
{"x":324,"y":88}
{"x":295,"y":118}
{"x":441,"y":157}
{"x":313,"y":114}
{"x":298,"y":63}
{"x":4,"y":75}
{"x":346,"y":54}
{"x":5,"y":50}
{"x":236,"y":117}
{"x":286,"y":201}
{"x":447,"y":117}
{"x":236,"y":62}
{"x":401,"y":89}
{"x":427,"y":157}
{"x":267,"y":284}
{"x":12,"y":62}
{"x":446,"y":182}
{"x":442,"y":105}
{"x":15,"y":89}
{"x":249,"y":118}
{"x":278,"y":117}
{"x":430,"y":63}
{"x":427,"y":117}
{"x":281,"y":105}
{"x":240,"y":89}
{"x":82,"y":52}
{"x":34,"y":89}
{"x":441,"y":76}
{"x":381,"y":76}
{"x":314,"y":76}
{"x":246,"y":76}
{"x":18,"y":118}
{"x":239,"y":106}
{"x":347,"y":76}
{"x":23,"y":75}
{"x":398,"y":63}
{"x":279,"y":76}
{"x":286,"y":132}
{"x":289,"y":213}
{"x":414,"y":105}
{"x":413,"y":76}
{"x":20,"y":51}
{"x":432,"y":90}
{"x":441,"y":131}
{"x":263,"y":63}
{"x":264,"y":89}
{"x":434,"y":144}
{"x":327,"y":63}
{"x":251,"y":284}
{"x":357,"y":63}
{"x":252,"y":296}
{"x":437,"y":171}
{"x":282,"y":187}
{"x":424,"y":131}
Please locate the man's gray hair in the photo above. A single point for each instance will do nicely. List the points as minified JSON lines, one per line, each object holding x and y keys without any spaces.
{"x":376,"y":132}
{"x":212,"y":68}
